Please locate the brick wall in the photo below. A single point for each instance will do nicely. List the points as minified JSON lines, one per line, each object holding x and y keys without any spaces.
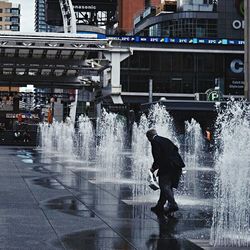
{"x":127,"y":10}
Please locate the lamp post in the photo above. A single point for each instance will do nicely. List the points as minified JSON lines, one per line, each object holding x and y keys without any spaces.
{"x":247,"y":49}
{"x":150,"y":91}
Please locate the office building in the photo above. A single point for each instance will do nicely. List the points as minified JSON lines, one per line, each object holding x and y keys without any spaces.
{"x":207,"y":25}
{"x":9,"y":21}
{"x":40,"y":23}
{"x":129,"y":9}
{"x":9,"y":16}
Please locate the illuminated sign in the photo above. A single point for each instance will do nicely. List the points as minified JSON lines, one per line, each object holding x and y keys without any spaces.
{"x":167,"y":40}
{"x":237,"y":66}
{"x":238,"y":24}
{"x":85,"y":7}
{"x":175,"y":40}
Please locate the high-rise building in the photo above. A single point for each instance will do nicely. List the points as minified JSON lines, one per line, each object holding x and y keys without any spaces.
{"x":9,"y":16}
{"x":9,"y":21}
{"x":40,"y":22}
{"x":129,"y":9}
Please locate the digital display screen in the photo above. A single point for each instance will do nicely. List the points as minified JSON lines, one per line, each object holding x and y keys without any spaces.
{"x":168,"y":40}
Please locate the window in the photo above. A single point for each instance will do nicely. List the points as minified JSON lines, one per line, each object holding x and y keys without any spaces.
{"x":1,"y":10}
{"x":15,"y":11}
{"x":14,"y":19}
{"x":15,"y":28}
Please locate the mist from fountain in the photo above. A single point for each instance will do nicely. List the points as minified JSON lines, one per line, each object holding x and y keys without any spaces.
{"x":110,"y":133}
{"x":194,"y":144}
{"x":231,"y":213}
{"x":45,"y":133}
{"x":193,"y":152}
{"x":58,"y":138}
{"x":159,"y":119}
{"x":141,"y":165}
{"x":86,"y":139}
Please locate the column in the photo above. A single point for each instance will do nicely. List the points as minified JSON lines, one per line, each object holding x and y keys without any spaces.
{"x":247,"y":49}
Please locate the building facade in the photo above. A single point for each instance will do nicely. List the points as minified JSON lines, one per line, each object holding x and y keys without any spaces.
{"x":40,"y":22}
{"x":9,"y":16}
{"x":186,"y":47}
{"x":180,"y":73}
{"x":9,"y":21}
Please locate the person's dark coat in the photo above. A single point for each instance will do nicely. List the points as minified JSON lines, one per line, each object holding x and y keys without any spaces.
{"x":167,"y":159}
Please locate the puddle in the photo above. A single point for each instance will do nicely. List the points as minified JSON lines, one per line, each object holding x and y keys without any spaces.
{"x":48,"y":183}
{"x":28,"y":161}
{"x":93,"y":238}
{"x":69,"y":205}
{"x":40,"y":169}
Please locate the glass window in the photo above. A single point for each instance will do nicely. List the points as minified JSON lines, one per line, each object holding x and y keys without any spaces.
{"x":124,"y":82}
{"x":206,"y":62}
{"x":177,"y":62}
{"x":1,"y":10}
{"x":205,"y":82}
{"x":188,"y":62}
{"x":188,"y":83}
{"x":15,"y":28}
{"x":134,"y":60}
{"x":14,"y":19}
{"x":15,"y":11}
{"x":125,"y":63}
{"x":138,"y":82}
{"x":155,"y":30}
{"x":166,"y":62}
{"x":175,"y":85}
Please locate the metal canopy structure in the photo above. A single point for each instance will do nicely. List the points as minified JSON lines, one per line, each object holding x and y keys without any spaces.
{"x":49,"y":60}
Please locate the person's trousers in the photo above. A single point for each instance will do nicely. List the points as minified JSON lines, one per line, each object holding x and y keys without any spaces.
{"x":166,"y":192}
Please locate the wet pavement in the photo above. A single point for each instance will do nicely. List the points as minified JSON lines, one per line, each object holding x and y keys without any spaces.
{"x":51,"y":203}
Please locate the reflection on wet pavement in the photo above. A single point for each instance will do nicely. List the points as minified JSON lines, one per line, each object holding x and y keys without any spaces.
{"x":131,"y":225}
{"x":48,"y":183}
{"x":29,"y":161}
{"x":91,"y":240}
{"x":69,"y":205}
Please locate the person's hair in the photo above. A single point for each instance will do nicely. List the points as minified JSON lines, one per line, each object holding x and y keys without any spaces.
{"x":151,"y":133}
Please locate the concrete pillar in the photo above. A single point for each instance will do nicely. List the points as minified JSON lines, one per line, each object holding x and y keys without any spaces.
{"x":247,"y":49}
{"x":116,"y":56}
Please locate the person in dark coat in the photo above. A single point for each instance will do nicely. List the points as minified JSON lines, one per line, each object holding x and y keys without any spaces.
{"x":169,"y":164}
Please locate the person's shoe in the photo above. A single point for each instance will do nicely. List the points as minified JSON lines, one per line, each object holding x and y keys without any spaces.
{"x":157,"y":209}
{"x":171,"y":209}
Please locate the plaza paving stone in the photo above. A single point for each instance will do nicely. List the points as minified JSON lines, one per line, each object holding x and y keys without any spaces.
{"x":45,"y":204}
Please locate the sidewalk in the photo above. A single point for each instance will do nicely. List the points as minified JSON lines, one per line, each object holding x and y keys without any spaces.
{"x":50,"y":205}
